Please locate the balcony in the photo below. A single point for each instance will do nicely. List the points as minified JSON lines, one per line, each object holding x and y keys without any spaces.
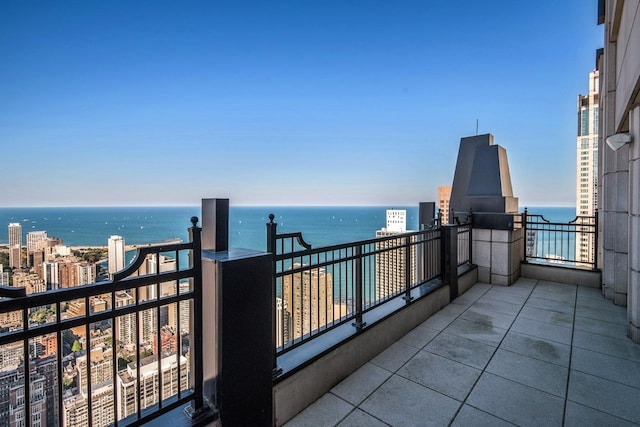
{"x":438,"y":346}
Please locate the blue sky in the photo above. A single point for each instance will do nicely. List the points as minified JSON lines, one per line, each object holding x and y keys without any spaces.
{"x":285,"y":102}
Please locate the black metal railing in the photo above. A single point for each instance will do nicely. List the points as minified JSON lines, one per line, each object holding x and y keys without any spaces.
{"x":568,"y":244}
{"x":465,"y":244}
{"x":119,"y":352}
{"x":320,"y":289}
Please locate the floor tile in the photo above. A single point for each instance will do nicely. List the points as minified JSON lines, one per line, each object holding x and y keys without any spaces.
{"x":623,"y":348}
{"x":516,"y":403}
{"x":395,"y":356}
{"x":359,"y":418}
{"x":600,"y":327}
{"x":472,"y":417}
{"x":562,"y":297}
{"x":482,"y":332}
{"x":612,"y":316}
{"x":401,"y":402}
{"x":463,"y":350}
{"x":606,"y":396}
{"x":547,"y":316}
{"x":445,"y":376}
{"x":542,"y":330}
{"x":496,"y":306}
{"x":538,"y":348}
{"x":511,"y":295}
{"x":360,"y":384}
{"x":577,"y":415}
{"x":326,"y":411}
{"x":548,"y":304}
{"x":444,"y":317}
{"x":531,"y":372}
{"x":499,"y":320}
{"x":608,"y":367}
{"x":419,"y":336}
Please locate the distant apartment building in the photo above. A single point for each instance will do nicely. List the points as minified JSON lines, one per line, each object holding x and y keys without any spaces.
{"x":34,"y":245}
{"x":283,"y":323}
{"x":444,"y":196}
{"x":391,"y":267}
{"x":125,"y":324}
{"x":15,"y":245}
{"x":102,"y":397}
{"x":308,"y":298}
{"x":76,"y":408}
{"x":42,"y":390}
{"x":4,"y":277}
{"x":587,"y":164}
{"x":174,"y":373}
{"x":32,"y":282}
{"x":67,"y":273}
{"x":116,"y":250}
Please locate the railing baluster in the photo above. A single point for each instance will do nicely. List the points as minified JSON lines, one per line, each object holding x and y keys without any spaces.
{"x":359,"y":324}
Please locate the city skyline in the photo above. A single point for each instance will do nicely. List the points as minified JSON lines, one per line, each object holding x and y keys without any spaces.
{"x":287,"y":104}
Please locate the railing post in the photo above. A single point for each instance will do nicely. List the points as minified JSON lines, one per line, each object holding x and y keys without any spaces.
{"x":359,"y":323}
{"x":526,"y":236}
{"x":595,"y":240}
{"x":272,"y":232}
{"x":449,"y":257}
{"x":470,"y":237}
{"x":238,"y":345}
{"x":407,"y":269}
{"x":198,"y":408}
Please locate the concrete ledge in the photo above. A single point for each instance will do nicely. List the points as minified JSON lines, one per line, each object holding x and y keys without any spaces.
{"x":467,"y":279}
{"x":298,"y":391}
{"x":574,"y":276}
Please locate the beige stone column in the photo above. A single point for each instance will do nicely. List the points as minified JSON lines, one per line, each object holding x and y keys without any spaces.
{"x":498,"y":254}
{"x":633,"y":303}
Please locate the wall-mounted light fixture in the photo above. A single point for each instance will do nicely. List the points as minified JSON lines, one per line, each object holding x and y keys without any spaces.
{"x":615,"y":142}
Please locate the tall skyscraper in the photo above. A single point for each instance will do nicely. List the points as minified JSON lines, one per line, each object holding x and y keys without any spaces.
{"x":149,"y":389}
{"x":390,"y":263}
{"x":116,"y":254}
{"x":307,"y":301}
{"x":444,"y":195}
{"x":34,"y":242}
{"x":587,"y":164}
{"x":15,"y":245}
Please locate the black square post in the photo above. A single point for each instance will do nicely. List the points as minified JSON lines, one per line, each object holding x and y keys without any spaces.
{"x":450,"y":258}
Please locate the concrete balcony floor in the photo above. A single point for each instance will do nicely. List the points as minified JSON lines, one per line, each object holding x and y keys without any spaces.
{"x":535,"y":353}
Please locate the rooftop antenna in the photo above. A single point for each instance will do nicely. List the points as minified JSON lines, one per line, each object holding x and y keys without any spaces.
{"x":476,"y":126}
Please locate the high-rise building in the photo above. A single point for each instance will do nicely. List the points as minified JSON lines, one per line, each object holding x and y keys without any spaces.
{"x":15,"y":245}
{"x":174,"y":373}
{"x":308,"y":299}
{"x":444,"y":196}
{"x":4,"y":277}
{"x":587,"y":164}
{"x":391,"y":263}
{"x":34,"y":243}
{"x":126,"y":323}
{"x":116,"y":254}
{"x":32,"y":282}
{"x":283,"y":323}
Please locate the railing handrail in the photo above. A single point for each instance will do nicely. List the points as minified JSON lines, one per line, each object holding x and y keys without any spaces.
{"x":580,"y":225}
{"x":352,"y":262}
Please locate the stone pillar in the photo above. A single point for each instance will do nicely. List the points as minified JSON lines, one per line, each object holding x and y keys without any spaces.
{"x":237,"y":323}
{"x":633,"y":297}
{"x":616,"y":224}
{"x":498,"y":254}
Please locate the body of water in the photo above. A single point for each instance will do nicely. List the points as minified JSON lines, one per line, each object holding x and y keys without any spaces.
{"x":321,"y":226}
